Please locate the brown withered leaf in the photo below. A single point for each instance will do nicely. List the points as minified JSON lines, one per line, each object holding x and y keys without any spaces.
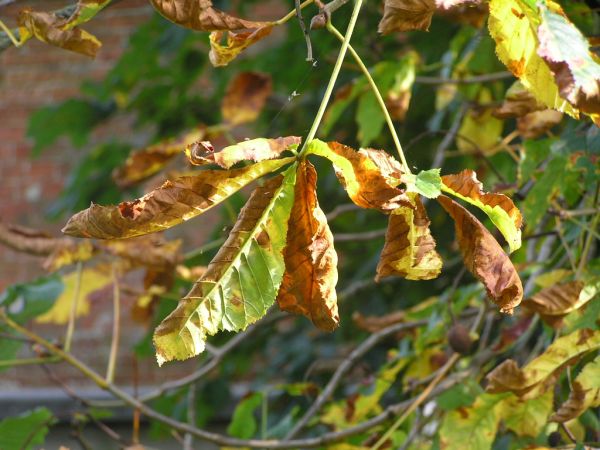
{"x":499,"y":208}
{"x":60,"y":252}
{"x":151,"y":251}
{"x":484,"y":257}
{"x":537,"y":123}
{"x":556,"y":301}
{"x":409,"y":249}
{"x":222,"y":53}
{"x":145,"y":162}
{"x":362,"y":176}
{"x":172,"y":203}
{"x":260,"y":149}
{"x":372,"y":324}
{"x":200,"y":15}
{"x":518,"y":101}
{"x":585,"y":393}
{"x":245,"y":97}
{"x":540,"y":374}
{"x":406,"y":15}
{"x":308,"y":285}
{"x":54,"y":30}
{"x":389,"y":167}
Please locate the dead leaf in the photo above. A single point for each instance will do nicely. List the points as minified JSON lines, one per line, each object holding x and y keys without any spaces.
{"x":484,"y":257}
{"x":150,"y":251}
{"x":245,"y":97}
{"x":172,"y":203}
{"x":518,"y":101}
{"x":308,"y":285}
{"x":54,"y":30}
{"x":555,"y":302}
{"x":537,"y":123}
{"x":200,"y":15}
{"x":260,"y":149}
{"x":470,"y":12}
{"x":148,"y":161}
{"x":222,"y":53}
{"x":409,"y":249}
{"x":362,"y":177}
{"x":406,"y":15}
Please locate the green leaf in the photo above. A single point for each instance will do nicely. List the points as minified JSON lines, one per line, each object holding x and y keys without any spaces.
{"x":472,"y":428}
{"x":537,"y":201}
{"x":243,"y":424}
{"x":526,"y":417}
{"x":585,"y":393}
{"x":461,"y":395}
{"x":428,"y":183}
{"x":28,"y":300}
{"x":535,"y":152}
{"x":25,"y":431}
{"x":241,"y":282}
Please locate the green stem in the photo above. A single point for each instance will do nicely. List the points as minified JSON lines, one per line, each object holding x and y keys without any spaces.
{"x":114,"y":345}
{"x":292,"y":13}
{"x":73,"y":311}
{"x":334,"y":75}
{"x":17,"y":43}
{"x":28,"y":361}
{"x":377,"y":94}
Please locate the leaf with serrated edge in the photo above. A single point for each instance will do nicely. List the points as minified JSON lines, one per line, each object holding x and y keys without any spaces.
{"x":361,"y":176}
{"x":428,"y":183}
{"x":484,"y":257}
{"x":539,"y":375}
{"x":256,"y":150}
{"x":200,"y":15}
{"x":235,"y":43}
{"x":308,"y":285}
{"x":172,"y":203}
{"x":242,"y":280}
{"x":145,"y":162}
{"x":499,"y":208}
{"x":585,"y":393}
{"x":556,"y":301}
{"x":512,"y":25}
{"x":409,"y":249}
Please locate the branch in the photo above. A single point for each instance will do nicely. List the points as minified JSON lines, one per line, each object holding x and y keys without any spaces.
{"x":488,"y":77}
{"x":362,"y":236}
{"x":309,"y":52}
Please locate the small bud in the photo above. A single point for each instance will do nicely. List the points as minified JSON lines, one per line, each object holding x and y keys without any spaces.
{"x":459,"y":339}
{"x":318,"y":21}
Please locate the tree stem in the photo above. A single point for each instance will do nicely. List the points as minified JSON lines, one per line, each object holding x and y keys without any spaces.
{"x":334,"y":75}
{"x":114,"y":345}
{"x":377,"y":94}
{"x":73,"y":311}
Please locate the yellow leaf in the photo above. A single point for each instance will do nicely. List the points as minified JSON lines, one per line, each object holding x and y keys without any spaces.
{"x":585,"y":393}
{"x":236,"y":42}
{"x":92,"y":279}
{"x":526,"y":417}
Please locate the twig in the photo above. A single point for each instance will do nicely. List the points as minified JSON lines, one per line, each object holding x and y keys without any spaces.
{"x":362,"y":236}
{"x":377,"y":94}
{"x":475,"y":79}
{"x":563,"y":241}
{"x":588,"y":243}
{"x":309,"y":52}
{"x":333,"y":6}
{"x":341,"y":209}
{"x":345,"y":366}
{"x":73,"y":311}
{"x":114,"y":345}
{"x":440,"y":153}
{"x":188,"y":439}
{"x":216,"y":438}
{"x":334,"y":75}
{"x":292,"y":13}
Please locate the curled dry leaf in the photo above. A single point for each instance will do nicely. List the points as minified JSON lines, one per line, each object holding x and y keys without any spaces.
{"x":241,"y":281}
{"x":499,"y":208}
{"x":150,"y":251}
{"x":222,"y":53}
{"x":369,"y":182}
{"x":518,"y":101}
{"x":540,"y":374}
{"x":172,"y":203}
{"x":585,"y":394}
{"x":200,"y":15}
{"x":308,"y":285}
{"x":406,"y":15}
{"x":409,"y":249}
{"x":567,"y":52}
{"x":484,"y":257}
{"x":245,"y":97}
{"x":54,"y":30}
{"x":202,"y":153}
{"x":538,"y":123}
{"x":148,"y":161}
{"x":556,"y":301}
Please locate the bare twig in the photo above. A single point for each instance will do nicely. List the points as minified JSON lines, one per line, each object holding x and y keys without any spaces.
{"x":309,"y":52}
{"x":114,"y":345}
{"x":188,"y":440}
{"x":344,"y":367}
{"x":440,"y":153}
{"x":341,"y":209}
{"x":73,"y":310}
{"x":475,"y":79}
{"x":362,"y":236}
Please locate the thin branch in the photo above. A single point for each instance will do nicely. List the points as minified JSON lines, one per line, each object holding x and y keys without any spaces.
{"x":440,"y":153}
{"x":344,"y":367}
{"x":73,"y":311}
{"x":475,"y":79}
{"x":362,"y":236}
{"x":114,"y":345}
{"x":188,"y":440}
{"x":341,"y":209}
{"x":309,"y":52}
